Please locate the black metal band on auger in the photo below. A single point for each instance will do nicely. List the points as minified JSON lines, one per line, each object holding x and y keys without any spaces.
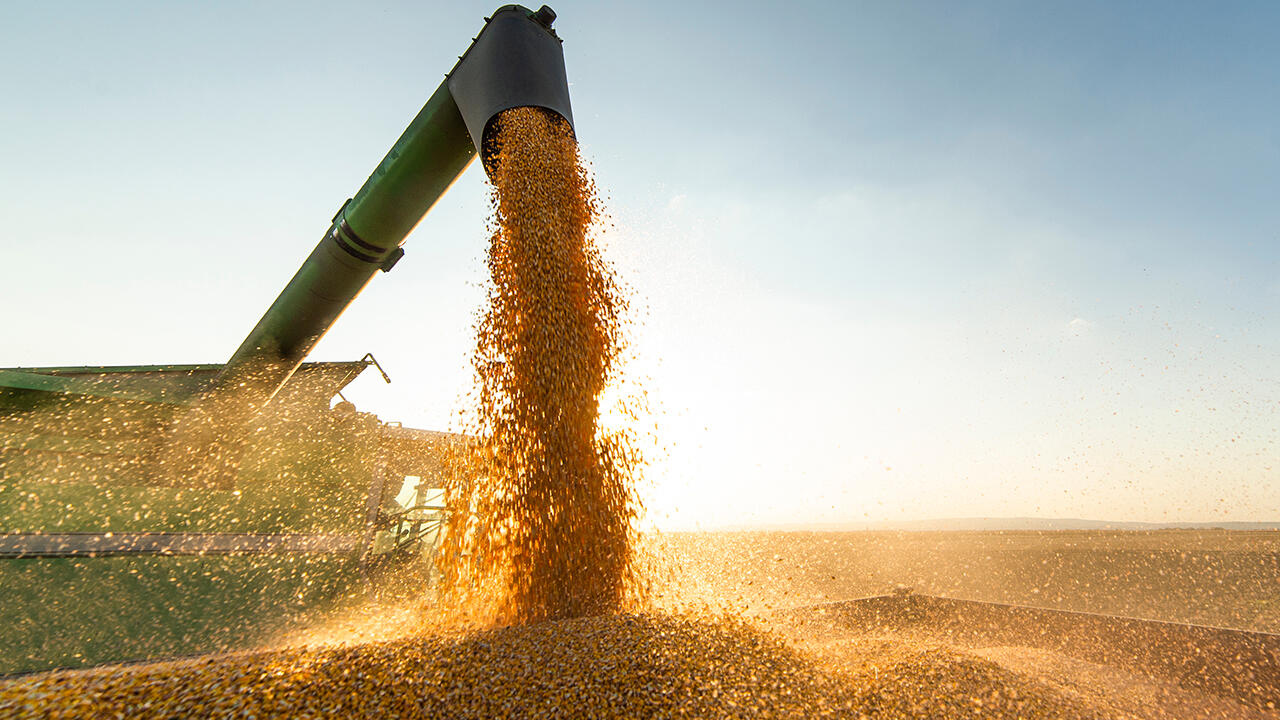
{"x":336,"y":236}
{"x":351,"y":235}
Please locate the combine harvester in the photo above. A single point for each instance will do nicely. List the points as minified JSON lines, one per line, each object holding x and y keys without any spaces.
{"x":136,"y":525}
{"x":155,"y":510}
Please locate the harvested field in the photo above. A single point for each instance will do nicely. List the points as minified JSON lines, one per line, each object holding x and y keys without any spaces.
{"x":705,"y":665}
{"x":1209,"y":577}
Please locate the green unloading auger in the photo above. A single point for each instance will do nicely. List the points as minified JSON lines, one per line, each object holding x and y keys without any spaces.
{"x":515,"y":61}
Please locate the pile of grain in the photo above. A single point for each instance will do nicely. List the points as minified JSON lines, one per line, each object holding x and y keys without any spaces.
{"x":542,"y":504}
{"x":613,"y":666}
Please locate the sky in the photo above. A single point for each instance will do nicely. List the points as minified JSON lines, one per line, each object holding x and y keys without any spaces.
{"x":891,"y":261}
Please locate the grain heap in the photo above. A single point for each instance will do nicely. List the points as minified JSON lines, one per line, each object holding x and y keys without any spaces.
{"x":543,"y":501}
{"x":613,"y":666}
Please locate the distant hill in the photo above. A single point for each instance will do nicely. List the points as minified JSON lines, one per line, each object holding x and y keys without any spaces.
{"x":1019,"y":523}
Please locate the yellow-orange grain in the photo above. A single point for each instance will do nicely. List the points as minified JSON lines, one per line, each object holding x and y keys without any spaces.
{"x":542,"y":503}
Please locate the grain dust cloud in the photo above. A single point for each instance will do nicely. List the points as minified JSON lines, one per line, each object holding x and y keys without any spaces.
{"x":544,"y":605}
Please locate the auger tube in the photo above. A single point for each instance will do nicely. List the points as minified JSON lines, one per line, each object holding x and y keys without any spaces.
{"x":515,"y":61}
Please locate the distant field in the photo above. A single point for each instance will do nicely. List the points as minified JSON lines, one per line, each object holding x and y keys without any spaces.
{"x":1213,"y":577}
{"x":64,"y":612}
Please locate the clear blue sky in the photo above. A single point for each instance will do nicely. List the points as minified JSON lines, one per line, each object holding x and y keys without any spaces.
{"x":900,"y":260}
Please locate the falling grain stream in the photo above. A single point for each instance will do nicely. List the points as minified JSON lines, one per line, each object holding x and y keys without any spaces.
{"x":544,"y":500}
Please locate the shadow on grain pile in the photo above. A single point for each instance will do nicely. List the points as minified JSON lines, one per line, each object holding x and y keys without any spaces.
{"x":650,"y":665}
